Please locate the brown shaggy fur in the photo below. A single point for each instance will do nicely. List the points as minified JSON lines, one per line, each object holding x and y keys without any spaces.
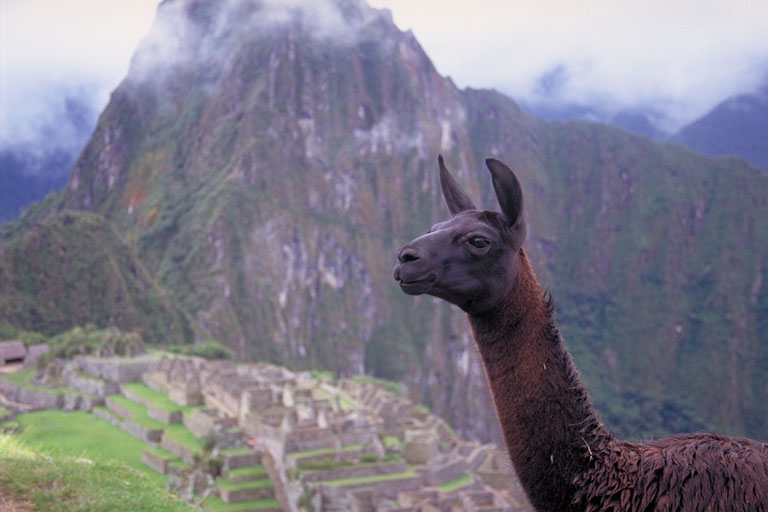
{"x":565,"y":458}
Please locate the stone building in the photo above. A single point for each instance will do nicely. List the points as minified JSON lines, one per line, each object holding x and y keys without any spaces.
{"x":12,"y":352}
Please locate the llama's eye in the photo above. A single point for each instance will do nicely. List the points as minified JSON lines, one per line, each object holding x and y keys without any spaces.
{"x":479,"y":242}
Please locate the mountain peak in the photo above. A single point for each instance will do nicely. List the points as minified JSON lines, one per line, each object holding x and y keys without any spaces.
{"x":191,"y":32}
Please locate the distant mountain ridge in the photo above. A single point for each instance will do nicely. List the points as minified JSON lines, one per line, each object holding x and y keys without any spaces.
{"x":263,"y":163}
{"x":737,"y":126}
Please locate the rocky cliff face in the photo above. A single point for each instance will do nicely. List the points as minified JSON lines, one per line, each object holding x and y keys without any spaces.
{"x":265,"y":161}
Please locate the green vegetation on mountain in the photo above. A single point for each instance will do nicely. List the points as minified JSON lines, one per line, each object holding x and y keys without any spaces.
{"x":737,"y":127}
{"x":264,"y":190}
{"x":72,"y":269}
{"x":656,"y":258}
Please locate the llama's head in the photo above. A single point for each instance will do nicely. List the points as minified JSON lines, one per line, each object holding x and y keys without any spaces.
{"x":471,"y":259}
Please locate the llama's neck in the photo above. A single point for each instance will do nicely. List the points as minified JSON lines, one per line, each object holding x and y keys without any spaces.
{"x":550,"y":428}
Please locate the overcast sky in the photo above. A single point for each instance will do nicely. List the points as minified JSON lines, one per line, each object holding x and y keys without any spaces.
{"x":679,"y":57}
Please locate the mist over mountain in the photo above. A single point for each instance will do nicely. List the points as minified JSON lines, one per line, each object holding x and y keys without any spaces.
{"x":37,"y":161}
{"x":263,"y":160}
{"x":640,"y":121}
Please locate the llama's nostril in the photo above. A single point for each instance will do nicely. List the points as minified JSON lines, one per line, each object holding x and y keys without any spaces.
{"x":407,"y":255}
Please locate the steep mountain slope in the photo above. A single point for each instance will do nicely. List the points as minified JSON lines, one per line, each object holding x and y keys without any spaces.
{"x":72,"y":269}
{"x":265,"y":161}
{"x":737,"y":126}
{"x":656,"y":257}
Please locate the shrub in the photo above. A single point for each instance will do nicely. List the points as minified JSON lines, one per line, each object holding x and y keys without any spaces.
{"x":88,"y":340}
{"x":209,"y":349}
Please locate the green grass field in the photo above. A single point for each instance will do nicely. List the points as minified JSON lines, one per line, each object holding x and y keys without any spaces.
{"x":72,"y":461}
{"x":80,"y":434}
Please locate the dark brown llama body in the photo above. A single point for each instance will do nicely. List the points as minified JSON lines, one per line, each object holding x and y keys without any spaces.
{"x":565,"y":458}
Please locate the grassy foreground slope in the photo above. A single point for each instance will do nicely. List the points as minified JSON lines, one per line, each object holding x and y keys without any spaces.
{"x":80,"y":434}
{"x":65,"y":482}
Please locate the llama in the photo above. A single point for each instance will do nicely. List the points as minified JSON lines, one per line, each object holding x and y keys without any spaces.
{"x":565,"y":458}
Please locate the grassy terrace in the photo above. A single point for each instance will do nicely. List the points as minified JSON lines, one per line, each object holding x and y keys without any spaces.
{"x":177,"y":432}
{"x":24,"y":378}
{"x":456,"y":483}
{"x":182,"y":435}
{"x":80,"y":434}
{"x":248,"y":472}
{"x":159,"y":452}
{"x":325,"y":451}
{"x":157,"y":398}
{"x":236,"y":450}
{"x":215,"y":504}
{"x":372,"y":478}
{"x":53,"y":481}
{"x":329,"y":463}
{"x":392,"y":441}
{"x":250,"y":484}
{"x":346,"y":403}
{"x":177,"y":463}
{"x":138,"y":412}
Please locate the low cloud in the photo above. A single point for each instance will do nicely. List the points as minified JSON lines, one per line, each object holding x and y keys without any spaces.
{"x":678,"y":58}
{"x":674,"y":59}
{"x":58,"y":63}
{"x":192,"y":34}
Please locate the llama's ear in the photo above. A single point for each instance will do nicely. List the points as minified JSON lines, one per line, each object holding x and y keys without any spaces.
{"x":455,"y":197}
{"x":510,"y":196}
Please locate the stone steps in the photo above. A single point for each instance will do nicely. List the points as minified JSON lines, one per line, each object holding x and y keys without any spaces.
{"x":125,"y":420}
{"x":355,"y":471}
{"x":347,"y":453}
{"x":389,"y":485}
{"x":233,"y":492}
{"x":239,"y":458}
{"x":160,"y":414}
{"x":182,"y":451}
{"x":248,"y":473}
{"x":160,"y":462}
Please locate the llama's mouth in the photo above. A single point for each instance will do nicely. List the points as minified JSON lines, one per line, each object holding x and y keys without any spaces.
{"x":418,"y":286}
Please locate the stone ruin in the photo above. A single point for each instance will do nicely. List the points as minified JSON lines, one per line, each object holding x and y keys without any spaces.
{"x":352,"y":446}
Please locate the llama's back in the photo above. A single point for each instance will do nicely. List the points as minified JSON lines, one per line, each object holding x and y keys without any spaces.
{"x":686,"y":472}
